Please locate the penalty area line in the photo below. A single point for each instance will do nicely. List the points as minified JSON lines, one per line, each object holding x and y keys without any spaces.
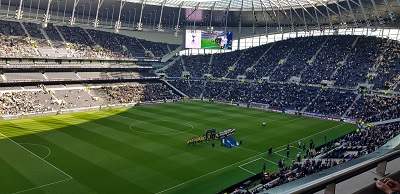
{"x":249,"y":162}
{"x":45,"y":185}
{"x":282,"y":146}
{"x":293,"y":147}
{"x":247,"y":170}
{"x":279,"y":154}
{"x":261,"y":158}
{"x":191,"y":180}
{"x":268,"y":160}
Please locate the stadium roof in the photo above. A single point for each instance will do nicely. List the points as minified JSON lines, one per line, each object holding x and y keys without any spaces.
{"x":234,"y":13}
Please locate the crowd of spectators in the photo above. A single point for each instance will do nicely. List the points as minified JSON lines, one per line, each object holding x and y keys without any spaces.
{"x":80,"y":43}
{"x":277,"y":96}
{"x":75,"y":98}
{"x":328,"y":59}
{"x":373,"y":108}
{"x":40,"y":100}
{"x":298,"y":58}
{"x":247,"y":60}
{"x":229,"y":91}
{"x":360,"y":60}
{"x":137,"y":93}
{"x":11,"y":28}
{"x":152,"y":92}
{"x":12,"y":46}
{"x":14,"y":42}
{"x":107,"y":43}
{"x":159,"y":49}
{"x":193,"y":89}
{"x":222,"y":61}
{"x":175,"y":70}
{"x":54,"y":36}
{"x":389,"y":67}
{"x":126,"y":46}
{"x":270,"y":61}
{"x":333,"y":102}
{"x":131,"y":46}
{"x":37,"y":38}
{"x":173,"y":47}
{"x":294,"y":172}
{"x":23,"y":102}
{"x":285,"y":96}
{"x":197,"y":65}
{"x":346,"y":60}
{"x":33,"y":30}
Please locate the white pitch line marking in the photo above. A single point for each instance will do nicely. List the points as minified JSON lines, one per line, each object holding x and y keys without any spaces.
{"x":279,"y":154}
{"x":48,"y":149}
{"x":268,"y":160}
{"x":45,"y":185}
{"x":294,"y":147}
{"x":36,"y":156}
{"x":249,"y":162}
{"x":247,"y":170}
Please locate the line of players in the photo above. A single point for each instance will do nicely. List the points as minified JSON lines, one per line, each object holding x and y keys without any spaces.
{"x":207,"y":137}
{"x":196,"y":140}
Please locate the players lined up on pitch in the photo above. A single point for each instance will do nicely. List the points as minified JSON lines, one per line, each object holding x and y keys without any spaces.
{"x":209,"y":135}
{"x":196,"y":140}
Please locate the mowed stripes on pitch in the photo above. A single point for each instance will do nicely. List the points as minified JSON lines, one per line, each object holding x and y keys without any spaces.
{"x":143,"y":149}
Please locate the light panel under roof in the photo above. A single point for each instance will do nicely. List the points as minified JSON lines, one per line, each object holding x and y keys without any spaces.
{"x":236,"y":5}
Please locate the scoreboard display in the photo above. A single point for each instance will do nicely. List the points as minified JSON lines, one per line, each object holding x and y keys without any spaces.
{"x":200,"y":39}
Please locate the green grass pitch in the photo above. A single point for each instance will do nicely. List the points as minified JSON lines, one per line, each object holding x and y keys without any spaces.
{"x":208,"y":44}
{"x":143,"y":149}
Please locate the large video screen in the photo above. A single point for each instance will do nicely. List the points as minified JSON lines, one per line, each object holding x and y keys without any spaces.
{"x":208,"y":40}
{"x":216,"y":40}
